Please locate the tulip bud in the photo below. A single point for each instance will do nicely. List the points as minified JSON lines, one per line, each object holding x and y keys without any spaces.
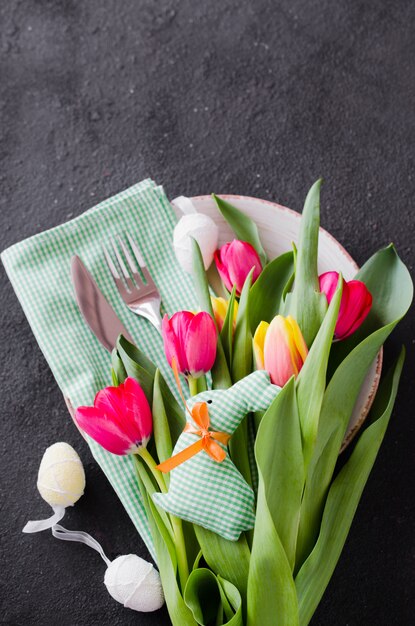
{"x":355,"y":304}
{"x":234,"y":261}
{"x":220,"y":309}
{"x":191,"y":340}
{"x":120,"y":420}
{"x":280,"y":349}
{"x":201,"y":228}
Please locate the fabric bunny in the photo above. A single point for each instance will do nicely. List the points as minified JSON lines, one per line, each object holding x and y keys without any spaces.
{"x":204,"y":491}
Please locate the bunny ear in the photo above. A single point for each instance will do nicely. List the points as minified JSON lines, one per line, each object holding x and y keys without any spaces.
{"x":254,"y":392}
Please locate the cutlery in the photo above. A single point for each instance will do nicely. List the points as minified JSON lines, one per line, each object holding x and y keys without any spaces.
{"x":96,"y":310}
{"x":141,"y":296}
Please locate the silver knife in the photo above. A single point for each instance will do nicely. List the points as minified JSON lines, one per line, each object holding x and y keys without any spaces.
{"x":96,"y":310}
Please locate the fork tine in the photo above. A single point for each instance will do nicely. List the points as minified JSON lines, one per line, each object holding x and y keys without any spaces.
{"x":110,"y":263}
{"x":123,"y":267}
{"x":114,"y":273}
{"x":130,"y":262}
{"x":140,"y":260}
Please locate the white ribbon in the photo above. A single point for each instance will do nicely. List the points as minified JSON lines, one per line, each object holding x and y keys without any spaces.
{"x":129,"y":579}
{"x":59,"y":532}
{"x":44,"y":524}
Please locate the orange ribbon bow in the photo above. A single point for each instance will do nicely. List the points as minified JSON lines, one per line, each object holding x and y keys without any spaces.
{"x":200,"y":416}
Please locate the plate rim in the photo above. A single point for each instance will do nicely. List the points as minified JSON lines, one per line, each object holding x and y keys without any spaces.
{"x":278,"y":207}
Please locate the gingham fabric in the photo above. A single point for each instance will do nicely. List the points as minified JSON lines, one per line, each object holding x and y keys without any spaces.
{"x":212,"y":494}
{"x":39,"y":269}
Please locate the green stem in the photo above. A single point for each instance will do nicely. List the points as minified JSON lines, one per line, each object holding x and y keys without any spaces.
{"x":192,"y":385}
{"x":201,"y":384}
{"x":176,"y":523}
{"x":151,"y":464}
{"x":182,"y":564}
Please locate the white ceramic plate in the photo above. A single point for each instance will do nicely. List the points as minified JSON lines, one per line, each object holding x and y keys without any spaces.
{"x":278,"y":228}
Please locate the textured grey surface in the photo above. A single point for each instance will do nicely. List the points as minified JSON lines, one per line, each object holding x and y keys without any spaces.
{"x":255,"y":98}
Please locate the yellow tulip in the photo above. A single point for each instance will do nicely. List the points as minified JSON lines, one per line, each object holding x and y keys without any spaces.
{"x":220,"y":309}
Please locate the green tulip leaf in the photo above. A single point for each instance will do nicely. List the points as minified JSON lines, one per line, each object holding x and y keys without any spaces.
{"x":199,"y":557}
{"x":161,"y":428}
{"x":221,"y":378}
{"x":163,"y":520}
{"x":118,"y":373}
{"x":272,"y":597}
{"x":289,"y":283}
{"x":268,"y":290}
{"x":337,"y":407}
{"x":202,"y":596}
{"x":174,"y":412}
{"x":114,"y":378}
{"x":166,"y":557}
{"x":311,"y":382}
{"x":221,"y":555}
{"x":343,"y":498}
{"x":243,"y":226}
{"x":232,"y":602}
{"x":137,"y":365}
{"x":242,"y":365}
{"x":239,"y":450}
{"x":134,"y":353}
{"x":306,"y":304}
{"x":390,"y":284}
{"x":279,"y":455}
{"x":226,"y":334}
{"x":178,"y":611}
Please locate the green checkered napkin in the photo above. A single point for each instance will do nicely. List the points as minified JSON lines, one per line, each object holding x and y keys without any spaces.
{"x":39,"y":269}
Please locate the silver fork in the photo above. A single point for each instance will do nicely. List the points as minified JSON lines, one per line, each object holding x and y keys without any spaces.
{"x":142,"y":298}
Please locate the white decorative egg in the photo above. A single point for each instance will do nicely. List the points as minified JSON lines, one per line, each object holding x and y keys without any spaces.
{"x":201,"y":228}
{"x":61,"y":477}
{"x":135,"y":583}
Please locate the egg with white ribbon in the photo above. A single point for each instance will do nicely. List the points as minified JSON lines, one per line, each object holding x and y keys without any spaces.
{"x":60,"y":481}
{"x":135,"y":583}
{"x":194,"y":225}
{"x":130,"y":580}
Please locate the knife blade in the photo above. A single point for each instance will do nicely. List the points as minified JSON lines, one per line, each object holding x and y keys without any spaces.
{"x":95,"y":308}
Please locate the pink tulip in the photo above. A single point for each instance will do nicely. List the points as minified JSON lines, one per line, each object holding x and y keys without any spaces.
{"x":120,"y":420}
{"x":191,"y":340}
{"x":355,"y":304}
{"x":234,"y":261}
{"x":280,"y":349}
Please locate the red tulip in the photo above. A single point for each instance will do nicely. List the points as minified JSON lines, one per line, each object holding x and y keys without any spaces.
{"x":120,"y":420}
{"x":355,"y":304}
{"x":234,"y":261}
{"x":191,"y":340}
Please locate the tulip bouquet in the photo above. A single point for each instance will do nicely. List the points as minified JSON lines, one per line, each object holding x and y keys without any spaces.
{"x":248,"y":501}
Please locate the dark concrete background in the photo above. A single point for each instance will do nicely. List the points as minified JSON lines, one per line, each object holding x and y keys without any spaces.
{"x":256,"y":98}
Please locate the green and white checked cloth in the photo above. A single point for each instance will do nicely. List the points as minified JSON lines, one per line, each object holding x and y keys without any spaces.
{"x":39,"y":269}
{"x":211,"y":494}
